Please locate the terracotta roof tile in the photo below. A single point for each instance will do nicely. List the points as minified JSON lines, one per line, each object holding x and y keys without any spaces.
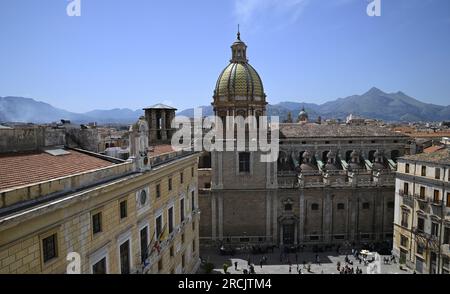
{"x":18,"y":169}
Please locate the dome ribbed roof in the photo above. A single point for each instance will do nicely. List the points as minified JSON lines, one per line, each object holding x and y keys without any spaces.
{"x":239,"y":79}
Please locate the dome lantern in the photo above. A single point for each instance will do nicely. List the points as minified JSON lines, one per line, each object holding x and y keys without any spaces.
{"x":239,"y":81}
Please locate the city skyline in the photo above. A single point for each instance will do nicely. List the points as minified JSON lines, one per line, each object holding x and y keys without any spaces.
{"x":131,"y":56}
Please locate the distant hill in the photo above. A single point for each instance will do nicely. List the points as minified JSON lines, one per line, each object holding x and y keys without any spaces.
{"x":374,"y":104}
{"x":19,"y":109}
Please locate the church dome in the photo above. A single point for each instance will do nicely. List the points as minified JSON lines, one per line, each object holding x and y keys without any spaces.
{"x":303,"y":115}
{"x":239,"y":80}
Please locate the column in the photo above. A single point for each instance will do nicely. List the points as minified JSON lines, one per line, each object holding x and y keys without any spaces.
{"x":220,"y":200}
{"x":327,"y":216}
{"x":281,"y":234}
{"x":295,"y":234}
{"x":213,"y":216}
{"x":163,"y":125}
{"x":274,"y":218}
{"x":302,"y":216}
{"x":268,"y":208}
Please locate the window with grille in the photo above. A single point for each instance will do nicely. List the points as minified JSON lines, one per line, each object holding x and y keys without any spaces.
{"x":49,"y":247}
{"x":158,"y":190}
{"x":97,"y":223}
{"x":244,"y":162}
{"x":158,"y":226}
{"x":123,"y":209}
{"x":182,"y":209}
{"x":170,"y":214}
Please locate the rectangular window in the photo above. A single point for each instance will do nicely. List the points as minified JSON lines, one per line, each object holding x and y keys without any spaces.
{"x":158,"y":226}
{"x":244,"y":162}
{"x":193,"y":225}
{"x":97,"y":223}
{"x":340,"y":206}
{"x":182,"y":238}
{"x":192,"y":172}
{"x":422,"y":192}
{"x":420,"y":224}
{"x":407,"y":168}
{"x":446,"y":236}
{"x":183,"y":261}
{"x":171,"y":251}
{"x":405,"y":216}
{"x":182,"y":209}
{"x":158,"y":190}
{"x":366,"y":205}
{"x":436,"y":198}
{"x":193,"y":246}
{"x":403,"y":241}
{"x":435,"y":229}
{"x":419,"y":249}
{"x":406,"y":188}
{"x":437,"y":173}
{"x":100,"y":267}
{"x":124,"y":250}
{"x":193,"y":200}
{"x":424,"y":171}
{"x":448,"y":199}
{"x":49,"y":247}
{"x":123,"y":209}
{"x":170,"y":214}
{"x":170,"y":184}
{"x":181,"y":177}
{"x":144,"y":243}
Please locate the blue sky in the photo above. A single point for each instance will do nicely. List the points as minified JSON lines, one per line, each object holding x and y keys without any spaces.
{"x":134,"y":53}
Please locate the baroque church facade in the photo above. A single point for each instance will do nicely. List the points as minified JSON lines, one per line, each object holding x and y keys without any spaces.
{"x":332,"y":183}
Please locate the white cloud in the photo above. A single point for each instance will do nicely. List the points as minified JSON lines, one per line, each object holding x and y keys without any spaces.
{"x":259,"y":12}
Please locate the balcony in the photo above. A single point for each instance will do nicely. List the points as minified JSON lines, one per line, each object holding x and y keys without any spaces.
{"x":426,"y":238}
{"x":421,"y":198}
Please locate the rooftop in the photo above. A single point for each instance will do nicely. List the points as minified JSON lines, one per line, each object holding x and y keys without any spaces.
{"x":433,"y":149}
{"x":19,"y":169}
{"x":313,"y":130}
{"x":160,"y":149}
{"x":160,"y":106}
{"x":441,"y":156}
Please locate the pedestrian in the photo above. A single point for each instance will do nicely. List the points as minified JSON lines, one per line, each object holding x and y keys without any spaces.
{"x":299,"y":271}
{"x":261,"y":263}
{"x":290,"y":268}
{"x":235,"y":265}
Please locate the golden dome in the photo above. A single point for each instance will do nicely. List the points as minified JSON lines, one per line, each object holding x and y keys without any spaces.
{"x":239,"y":80}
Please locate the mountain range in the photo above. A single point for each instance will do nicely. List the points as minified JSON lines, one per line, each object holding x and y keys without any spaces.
{"x":374,"y":104}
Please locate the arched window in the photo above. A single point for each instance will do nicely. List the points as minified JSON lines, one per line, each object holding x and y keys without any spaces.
{"x":288,"y":207}
{"x":314,"y":206}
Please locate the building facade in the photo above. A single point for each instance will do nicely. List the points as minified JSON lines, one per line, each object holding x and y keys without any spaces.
{"x":332,"y":183}
{"x":422,"y":212}
{"x":134,"y":216}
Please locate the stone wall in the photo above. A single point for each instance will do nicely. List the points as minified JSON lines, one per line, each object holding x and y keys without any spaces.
{"x":38,"y":137}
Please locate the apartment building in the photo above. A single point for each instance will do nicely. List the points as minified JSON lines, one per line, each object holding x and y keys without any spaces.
{"x":70,"y":210}
{"x":422,"y":212}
